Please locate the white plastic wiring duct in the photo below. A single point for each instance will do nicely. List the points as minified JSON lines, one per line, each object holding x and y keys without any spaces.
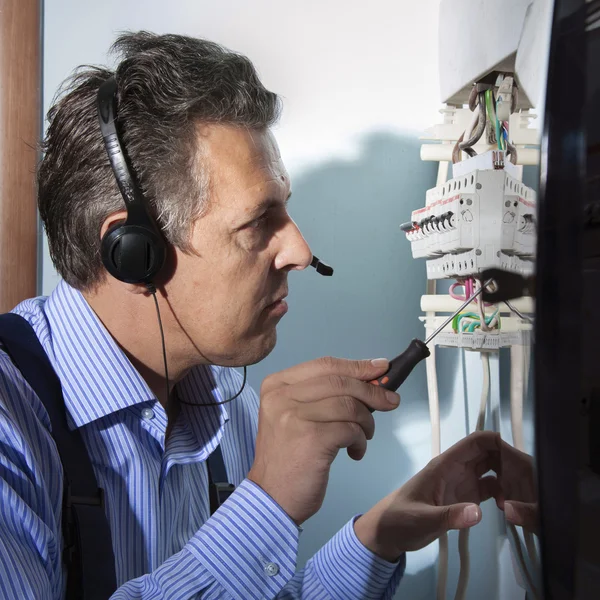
{"x":447,"y":304}
{"x":434,"y":415}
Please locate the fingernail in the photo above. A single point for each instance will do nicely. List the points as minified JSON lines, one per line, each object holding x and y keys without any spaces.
{"x":393,"y":398}
{"x":471,"y":514}
{"x":509,"y":512}
{"x":380,"y":362}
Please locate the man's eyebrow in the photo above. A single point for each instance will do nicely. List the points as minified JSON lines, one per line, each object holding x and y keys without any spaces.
{"x":266,"y":205}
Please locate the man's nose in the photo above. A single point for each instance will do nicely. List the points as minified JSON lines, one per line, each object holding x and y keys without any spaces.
{"x":295,"y":253}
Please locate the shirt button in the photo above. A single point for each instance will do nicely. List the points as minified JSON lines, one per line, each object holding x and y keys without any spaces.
{"x":147,"y":413}
{"x":271,"y":569}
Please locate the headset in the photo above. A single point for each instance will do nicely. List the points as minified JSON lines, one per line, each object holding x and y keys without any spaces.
{"x":133,"y":251}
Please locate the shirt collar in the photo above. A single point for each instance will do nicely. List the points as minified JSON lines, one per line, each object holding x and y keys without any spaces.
{"x":97,"y":377}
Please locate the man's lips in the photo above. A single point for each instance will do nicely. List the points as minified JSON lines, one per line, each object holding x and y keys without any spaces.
{"x":280,"y":298}
{"x":279,"y":306}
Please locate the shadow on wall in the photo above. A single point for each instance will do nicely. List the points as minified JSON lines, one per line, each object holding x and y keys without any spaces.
{"x":350,"y":212}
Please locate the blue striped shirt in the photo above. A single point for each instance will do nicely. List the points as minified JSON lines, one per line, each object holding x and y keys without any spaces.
{"x":166,"y":544}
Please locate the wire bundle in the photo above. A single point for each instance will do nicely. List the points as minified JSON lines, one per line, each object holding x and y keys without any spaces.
{"x":485,"y":118}
{"x":468,"y":322}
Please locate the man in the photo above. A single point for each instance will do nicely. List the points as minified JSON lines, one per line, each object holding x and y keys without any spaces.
{"x":194,"y":119}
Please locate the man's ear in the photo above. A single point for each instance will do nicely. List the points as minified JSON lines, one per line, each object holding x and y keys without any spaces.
{"x":110,"y":221}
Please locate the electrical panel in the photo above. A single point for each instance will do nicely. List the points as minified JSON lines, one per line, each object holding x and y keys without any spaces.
{"x":482,"y":218}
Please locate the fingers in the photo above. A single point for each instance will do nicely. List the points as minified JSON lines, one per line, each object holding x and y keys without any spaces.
{"x":340,"y":409}
{"x":485,"y":463}
{"x":462,"y":516}
{"x":475,"y":447}
{"x":329,"y":386}
{"x":454,"y":516}
{"x":364,"y":370}
{"x":348,"y":435}
{"x":479,"y":452}
{"x":489,"y":487}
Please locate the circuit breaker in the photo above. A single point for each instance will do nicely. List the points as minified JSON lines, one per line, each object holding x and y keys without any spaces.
{"x":483,"y":217}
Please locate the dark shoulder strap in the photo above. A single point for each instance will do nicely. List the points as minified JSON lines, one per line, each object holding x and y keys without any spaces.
{"x":218,"y":487}
{"x":88,"y":544}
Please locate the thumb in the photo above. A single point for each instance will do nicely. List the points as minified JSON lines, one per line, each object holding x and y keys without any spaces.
{"x":460,"y":516}
{"x":521,"y":513}
{"x":366,"y":370}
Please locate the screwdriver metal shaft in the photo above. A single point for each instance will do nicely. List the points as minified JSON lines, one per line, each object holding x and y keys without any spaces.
{"x":462,"y":306}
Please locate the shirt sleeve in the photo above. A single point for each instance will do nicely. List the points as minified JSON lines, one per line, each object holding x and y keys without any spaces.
{"x":345,"y":570}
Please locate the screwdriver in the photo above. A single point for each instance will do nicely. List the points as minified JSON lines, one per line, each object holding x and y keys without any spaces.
{"x":402,"y":366}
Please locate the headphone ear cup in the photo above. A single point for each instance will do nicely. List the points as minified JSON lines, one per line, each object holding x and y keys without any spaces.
{"x":133,"y":254}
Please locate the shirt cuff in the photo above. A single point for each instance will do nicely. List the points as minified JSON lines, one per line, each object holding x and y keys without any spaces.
{"x":350,"y":571}
{"x":250,"y":545}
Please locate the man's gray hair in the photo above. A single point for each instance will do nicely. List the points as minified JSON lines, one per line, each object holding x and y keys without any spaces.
{"x":167,"y":86}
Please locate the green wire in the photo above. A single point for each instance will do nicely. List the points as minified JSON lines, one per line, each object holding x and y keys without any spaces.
{"x":492,"y":113}
{"x":457,"y":318}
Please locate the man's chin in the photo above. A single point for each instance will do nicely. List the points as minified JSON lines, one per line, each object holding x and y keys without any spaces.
{"x":262,"y":350}
{"x":252,"y":350}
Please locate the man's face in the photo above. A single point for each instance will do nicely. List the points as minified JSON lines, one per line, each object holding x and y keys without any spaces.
{"x":227,"y":298}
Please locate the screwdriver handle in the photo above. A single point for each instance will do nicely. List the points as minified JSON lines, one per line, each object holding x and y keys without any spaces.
{"x":402,"y":366}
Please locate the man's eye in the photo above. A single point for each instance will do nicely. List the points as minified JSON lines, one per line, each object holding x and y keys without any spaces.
{"x":259,"y":223}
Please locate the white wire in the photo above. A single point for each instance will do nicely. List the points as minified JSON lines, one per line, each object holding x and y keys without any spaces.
{"x":519,"y":361}
{"x":512,"y":530}
{"x":436,"y":443}
{"x":517,"y":384}
{"x":485,"y":391}
{"x":463,"y":534}
{"x":465,"y":564}
{"x":529,"y":541}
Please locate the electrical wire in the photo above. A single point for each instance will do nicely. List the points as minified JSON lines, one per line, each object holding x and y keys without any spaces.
{"x":456,"y":296}
{"x":517,"y":312}
{"x":489,"y":100}
{"x":434,"y":413}
{"x":463,"y":534}
{"x":479,"y":129}
{"x":465,"y":564}
{"x":482,"y":322}
{"x":469,"y":288}
{"x":152,"y":289}
{"x":520,"y":559}
{"x":466,"y":146}
{"x":511,"y":151}
{"x":485,"y":391}
{"x":472,"y":125}
{"x":223,"y":401}
{"x":517,"y":395}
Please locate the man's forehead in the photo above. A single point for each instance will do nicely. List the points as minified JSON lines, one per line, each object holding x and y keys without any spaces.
{"x":245,"y":169}
{"x":240,"y":151}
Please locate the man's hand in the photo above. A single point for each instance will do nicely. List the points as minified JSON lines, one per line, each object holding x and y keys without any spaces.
{"x":445,"y":495}
{"x":307,"y":413}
